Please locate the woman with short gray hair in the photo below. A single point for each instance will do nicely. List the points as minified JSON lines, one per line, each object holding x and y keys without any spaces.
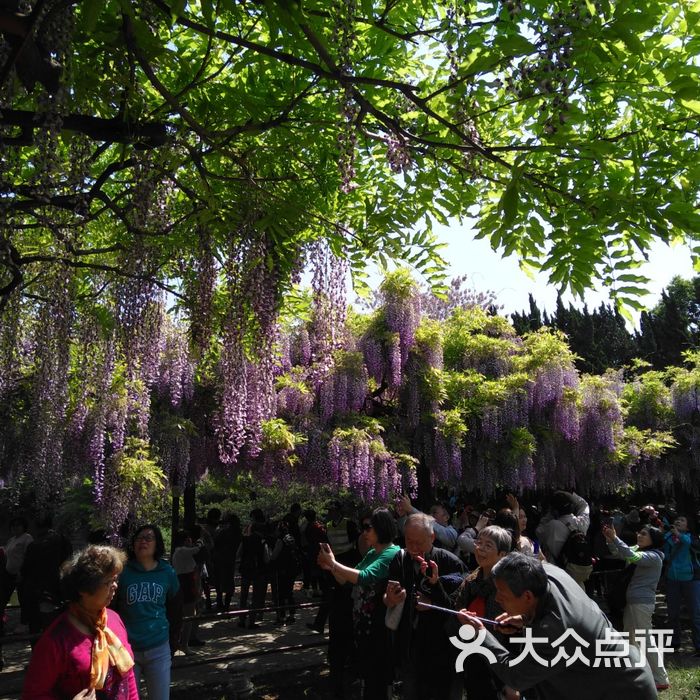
{"x":477,"y":594}
{"x":84,"y":653}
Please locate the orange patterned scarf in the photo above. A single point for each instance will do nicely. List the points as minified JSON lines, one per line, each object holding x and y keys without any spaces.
{"x":107,"y":649}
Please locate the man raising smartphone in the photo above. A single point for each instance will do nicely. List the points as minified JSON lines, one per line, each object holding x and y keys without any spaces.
{"x":421,"y":649}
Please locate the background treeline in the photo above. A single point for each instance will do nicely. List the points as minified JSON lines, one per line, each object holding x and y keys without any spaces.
{"x":601,"y":338}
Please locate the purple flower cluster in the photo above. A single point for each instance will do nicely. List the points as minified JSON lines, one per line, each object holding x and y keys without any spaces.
{"x":345,"y":35}
{"x":685,"y":398}
{"x":10,"y":334}
{"x":402,"y":310}
{"x":201,"y":292}
{"x":301,"y":347}
{"x":175,"y":379}
{"x":457,"y":298}
{"x":398,"y":153}
{"x":566,"y":418}
{"x":329,"y":309}
{"x":497,"y":420}
{"x":247,"y":371}
{"x":548,"y":386}
{"x":284,"y":354}
{"x":294,"y":400}
{"x":359,"y":461}
{"x":314,"y":457}
{"x":394,"y":361}
{"x":601,"y":419}
{"x":446,"y":456}
{"x":374,"y":358}
{"x":140,"y":314}
{"x":49,"y":399}
{"x":344,"y":389}
{"x":96,"y":456}
{"x":230,"y":422}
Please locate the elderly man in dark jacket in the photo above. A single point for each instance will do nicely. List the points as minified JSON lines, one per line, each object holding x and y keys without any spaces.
{"x":419,"y":644}
{"x":566,"y":627}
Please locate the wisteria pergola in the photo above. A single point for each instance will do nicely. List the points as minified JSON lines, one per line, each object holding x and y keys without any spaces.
{"x":202,"y":153}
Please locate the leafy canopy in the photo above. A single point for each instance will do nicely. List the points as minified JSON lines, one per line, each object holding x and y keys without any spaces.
{"x":568,"y":128}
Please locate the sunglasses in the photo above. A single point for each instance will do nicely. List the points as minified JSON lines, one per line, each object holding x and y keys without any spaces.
{"x":366,"y":526}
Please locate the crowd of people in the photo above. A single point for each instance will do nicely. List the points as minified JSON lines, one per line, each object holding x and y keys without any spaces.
{"x":398,"y":587}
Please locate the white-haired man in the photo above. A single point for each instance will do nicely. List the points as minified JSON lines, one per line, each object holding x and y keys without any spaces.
{"x":420,"y":646}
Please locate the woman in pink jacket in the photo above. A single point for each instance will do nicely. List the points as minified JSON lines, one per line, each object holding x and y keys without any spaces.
{"x":84,"y":654}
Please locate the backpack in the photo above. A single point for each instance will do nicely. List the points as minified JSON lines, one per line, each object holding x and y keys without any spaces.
{"x":616,"y":595}
{"x":289,"y":556}
{"x":694,"y":556}
{"x":576,"y":550}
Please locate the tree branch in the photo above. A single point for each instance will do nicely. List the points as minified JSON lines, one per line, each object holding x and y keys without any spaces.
{"x":142,"y":135}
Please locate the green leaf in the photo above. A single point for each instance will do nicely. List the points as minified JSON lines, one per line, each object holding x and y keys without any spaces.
{"x":514,"y":44}
{"x":208,"y":12}
{"x":692,"y":105}
{"x":177,"y":8}
{"x":630,"y":39}
{"x":89,"y":12}
{"x":368,"y":8}
{"x":636,"y":21}
{"x":509,"y":200}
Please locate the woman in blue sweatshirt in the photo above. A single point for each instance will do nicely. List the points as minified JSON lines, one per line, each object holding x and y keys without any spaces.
{"x":681,"y":583}
{"x":150,"y":605}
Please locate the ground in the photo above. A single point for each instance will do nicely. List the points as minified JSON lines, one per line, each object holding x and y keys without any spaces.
{"x":283,"y":662}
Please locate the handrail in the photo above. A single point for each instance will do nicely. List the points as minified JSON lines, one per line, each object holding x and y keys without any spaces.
{"x":216,"y":617}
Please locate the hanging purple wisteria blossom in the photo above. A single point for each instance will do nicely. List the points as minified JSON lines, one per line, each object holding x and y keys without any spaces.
{"x":344,"y":33}
{"x":601,"y":418}
{"x":230,"y":421}
{"x":201,"y":292}
{"x":301,"y":347}
{"x":374,"y":358}
{"x":294,"y":399}
{"x":359,"y":461}
{"x":247,"y":371}
{"x":175,"y":378}
{"x":345,"y":388}
{"x":402,"y":309}
{"x":548,"y":386}
{"x":398,"y":153}
{"x":685,"y":397}
{"x":457,"y":297}
{"x":284,"y":354}
{"x":49,"y":401}
{"x":10,"y":334}
{"x":329,"y":308}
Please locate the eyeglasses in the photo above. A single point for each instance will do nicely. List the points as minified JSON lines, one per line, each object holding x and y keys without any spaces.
{"x":366,"y":526}
{"x":108,"y":583}
{"x":145,"y":538}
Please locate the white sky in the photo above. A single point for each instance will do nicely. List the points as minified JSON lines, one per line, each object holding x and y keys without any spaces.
{"x":487,"y":270}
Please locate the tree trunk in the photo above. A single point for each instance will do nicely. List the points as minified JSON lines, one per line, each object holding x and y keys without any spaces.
{"x":174,"y":518}
{"x":190,"y":505}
